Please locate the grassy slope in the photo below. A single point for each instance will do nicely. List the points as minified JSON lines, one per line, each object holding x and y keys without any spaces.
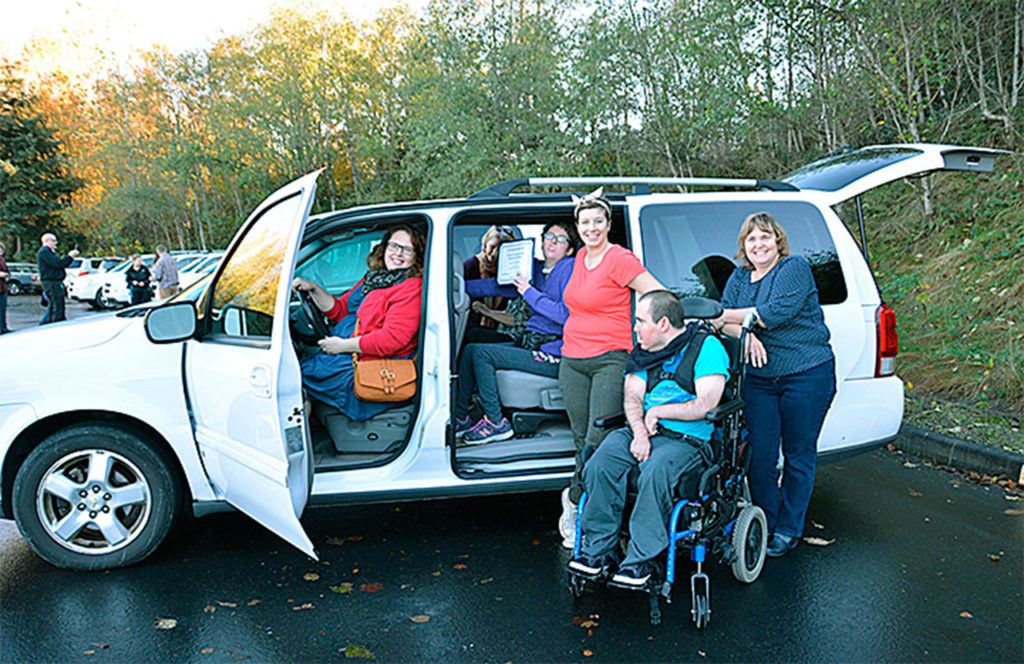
{"x":956,"y":281}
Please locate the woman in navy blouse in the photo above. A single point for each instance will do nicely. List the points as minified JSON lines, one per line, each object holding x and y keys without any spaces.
{"x":791,"y":377}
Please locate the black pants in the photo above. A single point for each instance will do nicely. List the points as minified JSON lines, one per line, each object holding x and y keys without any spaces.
{"x":141,"y":295}
{"x":54,"y":302}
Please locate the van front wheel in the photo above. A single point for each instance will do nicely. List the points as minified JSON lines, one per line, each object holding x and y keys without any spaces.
{"x":95,"y":497}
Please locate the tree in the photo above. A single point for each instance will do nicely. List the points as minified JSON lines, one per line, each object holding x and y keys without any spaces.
{"x":35,"y":186}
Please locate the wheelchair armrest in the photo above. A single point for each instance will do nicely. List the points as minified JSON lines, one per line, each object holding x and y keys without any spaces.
{"x":609,"y":421}
{"x":721,"y":411}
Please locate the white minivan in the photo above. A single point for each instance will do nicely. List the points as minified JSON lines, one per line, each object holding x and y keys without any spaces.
{"x":199,"y":401}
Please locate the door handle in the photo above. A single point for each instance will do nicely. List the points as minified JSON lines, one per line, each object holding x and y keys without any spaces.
{"x":259,"y":381}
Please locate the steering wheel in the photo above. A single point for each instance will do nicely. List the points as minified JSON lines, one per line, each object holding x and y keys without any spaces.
{"x":314,"y":317}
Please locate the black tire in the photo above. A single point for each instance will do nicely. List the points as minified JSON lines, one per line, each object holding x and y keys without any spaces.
{"x":97,"y":301}
{"x":13,"y":287}
{"x":129,"y":504}
{"x":749,"y":542}
{"x":702,"y":615}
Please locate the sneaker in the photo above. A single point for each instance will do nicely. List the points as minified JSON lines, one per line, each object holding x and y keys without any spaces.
{"x":462,"y":426}
{"x":486,"y":431}
{"x":567,"y":521}
{"x":636,"y":575}
{"x":780,"y":545}
{"x":594,"y":565}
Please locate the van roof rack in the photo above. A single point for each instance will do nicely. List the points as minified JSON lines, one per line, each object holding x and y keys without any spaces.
{"x":641,"y":185}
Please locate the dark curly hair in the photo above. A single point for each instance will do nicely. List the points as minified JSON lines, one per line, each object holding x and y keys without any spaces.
{"x":375,"y":259}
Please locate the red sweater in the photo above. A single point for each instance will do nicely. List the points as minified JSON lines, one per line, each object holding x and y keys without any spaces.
{"x":399,"y":306}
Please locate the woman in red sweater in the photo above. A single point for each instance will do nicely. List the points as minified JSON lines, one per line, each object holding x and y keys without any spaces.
{"x":597,"y":337}
{"x":386,"y":304}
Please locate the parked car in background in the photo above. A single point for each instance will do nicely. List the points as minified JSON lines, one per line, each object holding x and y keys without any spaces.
{"x":197,"y":403}
{"x":114,"y":291}
{"x":24,"y":278}
{"x":89,"y":288}
{"x":199,"y":269}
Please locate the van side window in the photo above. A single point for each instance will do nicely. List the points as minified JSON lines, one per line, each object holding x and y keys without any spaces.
{"x":690,"y":246}
{"x":245,"y":294}
{"x":341,"y":264}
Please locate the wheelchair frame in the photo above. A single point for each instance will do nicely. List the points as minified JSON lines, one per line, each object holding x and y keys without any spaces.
{"x":721,"y":521}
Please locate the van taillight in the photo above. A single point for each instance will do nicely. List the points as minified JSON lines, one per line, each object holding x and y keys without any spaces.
{"x":888,"y":342}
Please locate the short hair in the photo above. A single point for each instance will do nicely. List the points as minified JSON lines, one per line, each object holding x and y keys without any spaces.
{"x":375,"y":259}
{"x":665,"y":304}
{"x":45,"y":236}
{"x":763,"y":221}
{"x":570,"y":230}
{"x":161,"y":249}
{"x":133,"y":257}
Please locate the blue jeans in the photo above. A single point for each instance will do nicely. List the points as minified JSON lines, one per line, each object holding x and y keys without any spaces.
{"x":788,"y":410}
{"x":3,"y":313}
{"x":477,"y":371}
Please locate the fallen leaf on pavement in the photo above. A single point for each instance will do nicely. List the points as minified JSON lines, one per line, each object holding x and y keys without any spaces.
{"x":817,"y":525}
{"x":89,"y":652}
{"x":209,"y":608}
{"x":909,"y":464}
{"x":420,"y":619}
{"x":206,"y":651}
{"x":304,"y":607}
{"x":588,"y":653}
{"x":354,"y":538}
{"x":586,"y":622}
{"x":165,"y":623}
{"x":370,"y":587}
{"x":818,"y":541}
{"x":1013,"y":512}
{"x":437,"y":573}
{"x":343,"y":588}
{"x":1010,"y":496}
{"x":254,"y":602}
{"x":890,"y":447}
{"x":227,"y":604}
{"x":966,"y":614}
{"x":357,"y":652}
{"x":535,"y":542}
{"x":100,"y":646}
{"x":459,"y":566}
{"x":916,"y":494}
{"x":702,"y":653}
{"x":335,"y":541}
{"x":486,"y":581}
{"x":310,"y":576}
{"x":994,"y":558}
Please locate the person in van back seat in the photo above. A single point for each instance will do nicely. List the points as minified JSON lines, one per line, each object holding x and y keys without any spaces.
{"x":791,"y":380}
{"x":673,"y":379}
{"x":537,"y":349}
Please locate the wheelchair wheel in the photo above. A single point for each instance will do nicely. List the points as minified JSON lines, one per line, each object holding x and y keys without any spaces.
{"x":701,"y":611}
{"x":749,"y":541}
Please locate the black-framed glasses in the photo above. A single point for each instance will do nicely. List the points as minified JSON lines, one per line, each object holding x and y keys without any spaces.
{"x":556,"y":237}
{"x":401,"y":249}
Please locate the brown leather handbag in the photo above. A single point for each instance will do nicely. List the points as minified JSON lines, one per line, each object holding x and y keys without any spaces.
{"x":387,"y":379}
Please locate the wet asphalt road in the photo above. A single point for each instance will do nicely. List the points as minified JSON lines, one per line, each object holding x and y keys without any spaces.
{"x":913,"y":550}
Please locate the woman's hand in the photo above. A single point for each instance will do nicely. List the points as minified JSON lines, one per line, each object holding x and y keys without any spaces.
{"x":300,"y":284}
{"x":335,"y":345}
{"x":522,"y":284}
{"x":480,"y":308}
{"x":755,"y":351}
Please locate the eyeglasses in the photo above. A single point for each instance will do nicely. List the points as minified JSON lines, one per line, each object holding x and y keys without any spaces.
{"x":401,"y":249}
{"x":561,"y":239}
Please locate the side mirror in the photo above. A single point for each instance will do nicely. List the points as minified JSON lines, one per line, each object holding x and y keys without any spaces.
{"x":172,"y":322}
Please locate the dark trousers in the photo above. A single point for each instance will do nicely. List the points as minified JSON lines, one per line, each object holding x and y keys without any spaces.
{"x":54,"y":302}
{"x":591,"y":388}
{"x":140,"y":295}
{"x":3,"y":313}
{"x":786,"y":410}
{"x":478,"y":371}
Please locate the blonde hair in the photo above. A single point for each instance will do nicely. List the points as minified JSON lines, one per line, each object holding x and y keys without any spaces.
{"x":762,"y":221}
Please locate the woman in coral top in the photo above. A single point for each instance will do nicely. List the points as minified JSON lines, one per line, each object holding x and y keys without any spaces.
{"x":386,"y":304}
{"x":598,"y":335}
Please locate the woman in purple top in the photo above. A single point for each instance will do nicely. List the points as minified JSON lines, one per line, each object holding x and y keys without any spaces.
{"x":537,"y":349}
{"x":791,"y":379}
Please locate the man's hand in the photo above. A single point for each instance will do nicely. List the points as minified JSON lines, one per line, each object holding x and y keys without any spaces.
{"x":651,"y":418}
{"x":640,"y":448}
{"x":332,"y":345}
{"x":755,"y":351}
{"x":73,"y":253}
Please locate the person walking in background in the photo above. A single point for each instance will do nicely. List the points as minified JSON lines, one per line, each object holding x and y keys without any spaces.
{"x":4,"y":273}
{"x":51,"y":275}
{"x":598,"y":336}
{"x":165,"y":272}
{"x":791,"y":377}
{"x":138,"y":277}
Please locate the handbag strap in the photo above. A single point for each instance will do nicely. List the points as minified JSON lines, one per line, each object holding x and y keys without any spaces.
{"x":355,"y":331}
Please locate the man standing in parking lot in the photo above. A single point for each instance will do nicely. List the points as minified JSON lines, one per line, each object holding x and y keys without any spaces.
{"x":165,"y":272}
{"x":4,"y":273}
{"x":51,"y":275}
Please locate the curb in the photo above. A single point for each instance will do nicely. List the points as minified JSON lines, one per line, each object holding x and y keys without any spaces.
{"x":962,"y":454}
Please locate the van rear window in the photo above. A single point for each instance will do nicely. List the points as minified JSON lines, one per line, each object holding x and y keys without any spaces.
{"x":690,"y":246}
{"x":834,"y":173}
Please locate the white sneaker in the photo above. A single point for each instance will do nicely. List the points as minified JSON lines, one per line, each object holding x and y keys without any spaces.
{"x":567,"y":521}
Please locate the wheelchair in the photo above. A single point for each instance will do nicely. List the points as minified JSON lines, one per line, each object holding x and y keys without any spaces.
{"x":717,"y":522}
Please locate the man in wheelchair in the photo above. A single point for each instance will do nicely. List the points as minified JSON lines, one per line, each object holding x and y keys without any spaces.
{"x":673,"y":378}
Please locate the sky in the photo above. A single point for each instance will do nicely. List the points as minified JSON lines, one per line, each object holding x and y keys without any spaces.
{"x":121,"y":27}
